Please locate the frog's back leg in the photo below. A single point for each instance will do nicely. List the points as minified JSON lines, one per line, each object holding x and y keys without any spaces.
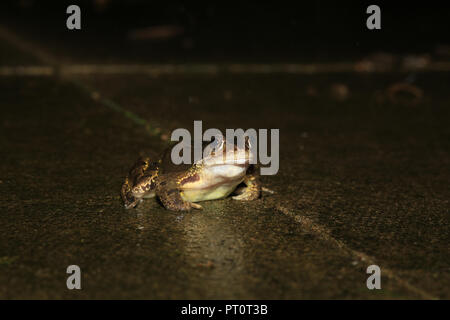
{"x":252,"y":190}
{"x":140,"y":182}
{"x":169,"y":193}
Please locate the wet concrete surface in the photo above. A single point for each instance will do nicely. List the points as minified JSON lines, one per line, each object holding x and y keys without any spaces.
{"x":373,"y":173}
{"x":11,"y":56}
{"x":361,"y":181}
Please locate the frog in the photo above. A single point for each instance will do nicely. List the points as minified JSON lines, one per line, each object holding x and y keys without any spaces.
{"x":226,"y":170}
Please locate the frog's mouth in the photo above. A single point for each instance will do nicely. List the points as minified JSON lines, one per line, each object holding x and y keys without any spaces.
{"x":227,"y":160}
{"x":233,"y":163}
{"x":229,"y":171}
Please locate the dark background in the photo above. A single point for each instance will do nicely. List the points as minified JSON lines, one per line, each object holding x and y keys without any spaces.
{"x":237,"y":31}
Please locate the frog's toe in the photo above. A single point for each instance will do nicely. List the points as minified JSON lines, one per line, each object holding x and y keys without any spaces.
{"x":175,"y":203}
{"x":196,"y":206}
{"x":129,"y":200}
{"x":238,"y":197}
{"x":129,"y":204}
{"x":267,"y":190}
{"x":247,"y":194}
{"x":246,"y":197}
{"x":251,"y":191}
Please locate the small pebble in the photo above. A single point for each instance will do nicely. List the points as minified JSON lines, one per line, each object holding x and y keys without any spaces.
{"x":339,"y":91}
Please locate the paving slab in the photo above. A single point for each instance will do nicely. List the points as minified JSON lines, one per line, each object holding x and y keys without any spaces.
{"x":64,"y":158}
{"x":362,"y":180}
{"x":372,"y":172}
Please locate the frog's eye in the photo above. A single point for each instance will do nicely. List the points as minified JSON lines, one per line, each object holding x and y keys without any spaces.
{"x":214,"y":147}
{"x":217,"y":144}
{"x":220,"y":143}
{"x":248,"y":144}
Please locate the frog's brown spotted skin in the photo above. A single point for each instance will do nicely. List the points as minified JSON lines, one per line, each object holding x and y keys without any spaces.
{"x":214,"y":177}
{"x":140,"y":182}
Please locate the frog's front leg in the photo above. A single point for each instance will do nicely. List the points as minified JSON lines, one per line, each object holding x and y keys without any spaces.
{"x":252,"y":191}
{"x":140,"y":183}
{"x":129,"y":200}
{"x":169,"y":193}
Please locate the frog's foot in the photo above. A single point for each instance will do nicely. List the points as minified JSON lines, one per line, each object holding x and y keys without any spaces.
{"x":129,"y":199}
{"x":133,"y":203}
{"x":196,"y":206}
{"x":170,"y":197}
{"x":267,"y":190}
{"x":252,"y":191}
{"x":139,"y":183}
{"x":172,"y":200}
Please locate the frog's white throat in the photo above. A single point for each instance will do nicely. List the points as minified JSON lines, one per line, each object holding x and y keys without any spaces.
{"x":225,"y":171}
